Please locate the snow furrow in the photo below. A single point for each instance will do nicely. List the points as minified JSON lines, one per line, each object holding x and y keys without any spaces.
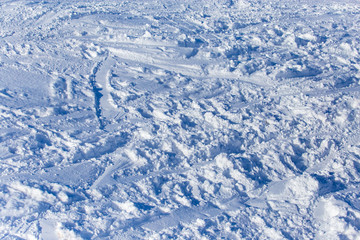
{"x":97,"y":93}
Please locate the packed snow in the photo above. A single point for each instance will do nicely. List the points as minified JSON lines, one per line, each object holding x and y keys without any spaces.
{"x":193,"y":119}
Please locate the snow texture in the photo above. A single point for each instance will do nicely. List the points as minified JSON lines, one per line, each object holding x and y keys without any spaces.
{"x":216,"y":119}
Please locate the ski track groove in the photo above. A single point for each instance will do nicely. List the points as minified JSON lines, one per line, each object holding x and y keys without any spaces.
{"x":97,"y":92}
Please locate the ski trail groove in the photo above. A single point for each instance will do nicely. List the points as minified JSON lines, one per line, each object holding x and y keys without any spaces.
{"x":105,"y":177}
{"x":97,"y":93}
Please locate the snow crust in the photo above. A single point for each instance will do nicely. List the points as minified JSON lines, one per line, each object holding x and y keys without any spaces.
{"x":230,"y":119}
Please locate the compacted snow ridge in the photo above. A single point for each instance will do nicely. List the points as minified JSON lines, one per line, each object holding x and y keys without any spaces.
{"x":193,"y":119}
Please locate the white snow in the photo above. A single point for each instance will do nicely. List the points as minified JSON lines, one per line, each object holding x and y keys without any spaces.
{"x":231,"y":119}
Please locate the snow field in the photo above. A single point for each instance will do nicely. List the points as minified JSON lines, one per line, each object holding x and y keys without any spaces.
{"x":188,"y":120}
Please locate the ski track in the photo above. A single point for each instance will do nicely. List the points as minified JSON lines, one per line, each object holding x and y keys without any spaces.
{"x":188,"y":120}
{"x":97,"y":93}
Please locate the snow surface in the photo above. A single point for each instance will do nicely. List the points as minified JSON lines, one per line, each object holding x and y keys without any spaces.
{"x":179,"y":119}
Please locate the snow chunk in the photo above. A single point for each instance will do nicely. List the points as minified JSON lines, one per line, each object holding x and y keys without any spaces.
{"x":63,"y":233}
{"x":127,"y":206}
{"x":241,"y":4}
{"x":63,"y":197}
{"x":223,"y":162}
{"x":183,"y":200}
{"x":296,"y":190}
{"x":268,"y":233}
{"x":144,"y":134}
{"x":147,"y":34}
{"x":331,"y":214}
{"x":308,"y":36}
{"x":33,"y":193}
{"x":348,"y":50}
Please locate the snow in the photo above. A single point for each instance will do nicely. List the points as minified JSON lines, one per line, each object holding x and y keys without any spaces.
{"x":232,"y":119}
